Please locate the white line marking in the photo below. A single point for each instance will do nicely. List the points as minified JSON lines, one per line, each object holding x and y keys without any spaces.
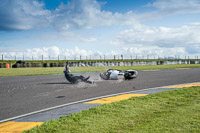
{"x":81,"y":101}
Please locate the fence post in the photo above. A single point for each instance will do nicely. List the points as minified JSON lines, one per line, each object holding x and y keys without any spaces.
{"x":2,"y":57}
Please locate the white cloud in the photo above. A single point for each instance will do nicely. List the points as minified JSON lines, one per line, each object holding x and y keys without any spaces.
{"x":177,"y":6}
{"x":164,"y":8}
{"x":76,"y":14}
{"x":31,"y":14}
{"x":186,"y":36}
{"x":160,"y":41}
{"x":22,"y":15}
{"x":64,"y":37}
{"x":53,"y":52}
{"x":153,"y":51}
{"x":88,"y":14}
{"x":140,"y":51}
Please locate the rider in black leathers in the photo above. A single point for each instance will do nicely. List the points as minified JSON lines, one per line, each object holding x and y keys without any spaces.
{"x":74,"y":79}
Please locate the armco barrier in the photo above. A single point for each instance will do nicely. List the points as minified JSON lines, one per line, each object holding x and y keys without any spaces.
{"x":2,"y":65}
{"x":99,"y":63}
{"x":5,"y":65}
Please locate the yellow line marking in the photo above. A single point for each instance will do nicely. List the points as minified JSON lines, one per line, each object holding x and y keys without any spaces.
{"x":17,"y":127}
{"x":185,"y":85}
{"x":115,"y":98}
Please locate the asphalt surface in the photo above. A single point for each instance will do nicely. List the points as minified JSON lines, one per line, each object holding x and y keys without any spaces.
{"x":25,"y":94}
{"x":74,"y":108}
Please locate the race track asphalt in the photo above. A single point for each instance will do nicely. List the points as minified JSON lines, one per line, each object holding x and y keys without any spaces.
{"x":25,"y":94}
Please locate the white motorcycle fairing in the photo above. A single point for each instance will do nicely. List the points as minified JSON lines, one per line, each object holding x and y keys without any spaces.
{"x":114,"y":74}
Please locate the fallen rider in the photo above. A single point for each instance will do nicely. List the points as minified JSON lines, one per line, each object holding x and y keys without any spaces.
{"x":74,"y":79}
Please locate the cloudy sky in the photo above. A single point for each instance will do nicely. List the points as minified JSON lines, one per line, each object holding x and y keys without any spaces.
{"x":94,"y":28}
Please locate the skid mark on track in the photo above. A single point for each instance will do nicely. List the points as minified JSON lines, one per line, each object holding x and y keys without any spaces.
{"x":42,"y":94}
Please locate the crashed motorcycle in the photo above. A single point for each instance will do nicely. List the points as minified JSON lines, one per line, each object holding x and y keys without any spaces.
{"x":110,"y":74}
{"x":115,"y":74}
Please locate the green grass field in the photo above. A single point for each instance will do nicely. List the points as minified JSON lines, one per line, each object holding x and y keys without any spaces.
{"x":174,"y":111}
{"x":4,"y":72}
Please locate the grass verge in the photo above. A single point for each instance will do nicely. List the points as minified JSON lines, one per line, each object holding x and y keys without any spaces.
{"x":4,"y":72}
{"x":168,"y":111}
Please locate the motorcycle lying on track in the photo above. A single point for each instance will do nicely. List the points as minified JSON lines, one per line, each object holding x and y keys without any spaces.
{"x":114,"y":74}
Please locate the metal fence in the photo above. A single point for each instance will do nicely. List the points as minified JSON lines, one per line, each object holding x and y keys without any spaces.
{"x":103,"y":57}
